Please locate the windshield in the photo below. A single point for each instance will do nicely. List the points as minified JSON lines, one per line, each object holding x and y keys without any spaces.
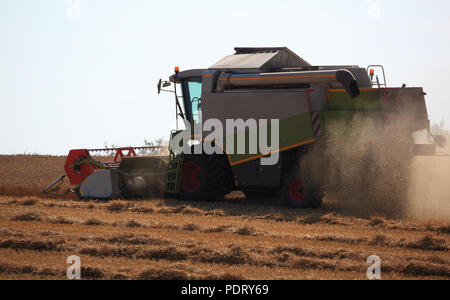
{"x":192,"y":89}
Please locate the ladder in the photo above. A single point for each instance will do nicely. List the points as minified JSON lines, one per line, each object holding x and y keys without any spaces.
{"x":174,"y":174}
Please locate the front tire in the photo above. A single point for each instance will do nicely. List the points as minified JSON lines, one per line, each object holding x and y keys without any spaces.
{"x":204,"y":178}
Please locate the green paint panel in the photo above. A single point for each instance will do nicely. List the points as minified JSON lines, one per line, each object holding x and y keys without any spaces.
{"x":293,"y":130}
{"x":331,"y":117}
{"x":368,"y":100}
{"x":346,"y":126}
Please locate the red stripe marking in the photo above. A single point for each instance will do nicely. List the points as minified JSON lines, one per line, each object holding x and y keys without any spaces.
{"x":316,"y":118}
{"x":317,"y":131}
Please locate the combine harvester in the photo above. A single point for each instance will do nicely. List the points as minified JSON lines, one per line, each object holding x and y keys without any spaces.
{"x":256,"y":83}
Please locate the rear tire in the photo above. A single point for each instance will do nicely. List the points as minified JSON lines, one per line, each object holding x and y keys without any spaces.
{"x":204,"y":178}
{"x":299,"y":193}
{"x":297,"y":190}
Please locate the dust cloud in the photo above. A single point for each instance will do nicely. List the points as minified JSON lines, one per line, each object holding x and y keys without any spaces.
{"x":367,"y":168}
{"x":364,"y":166}
{"x":429,"y":192}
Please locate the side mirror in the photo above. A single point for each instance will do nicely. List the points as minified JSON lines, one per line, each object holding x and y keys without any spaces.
{"x":159,"y":86}
{"x":162,"y":84}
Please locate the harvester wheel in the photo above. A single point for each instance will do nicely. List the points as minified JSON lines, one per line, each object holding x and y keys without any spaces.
{"x":299,"y":193}
{"x":203,"y":178}
{"x":297,"y":190}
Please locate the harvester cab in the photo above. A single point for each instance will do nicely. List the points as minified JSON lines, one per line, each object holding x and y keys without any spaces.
{"x":250,"y":121}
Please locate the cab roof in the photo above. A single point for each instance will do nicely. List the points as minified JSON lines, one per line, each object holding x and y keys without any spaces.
{"x":260,"y":59}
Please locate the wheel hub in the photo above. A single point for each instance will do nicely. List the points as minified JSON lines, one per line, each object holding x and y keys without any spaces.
{"x":189,"y":177}
{"x":297,"y":190}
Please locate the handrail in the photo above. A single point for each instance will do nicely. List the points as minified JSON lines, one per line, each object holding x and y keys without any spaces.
{"x":377,"y":82}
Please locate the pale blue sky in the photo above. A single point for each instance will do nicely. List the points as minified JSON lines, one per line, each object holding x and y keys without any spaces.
{"x":74,"y":83}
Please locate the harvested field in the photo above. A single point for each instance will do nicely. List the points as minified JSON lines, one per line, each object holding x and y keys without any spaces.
{"x":27,"y":175}
{"x":170,"y":239}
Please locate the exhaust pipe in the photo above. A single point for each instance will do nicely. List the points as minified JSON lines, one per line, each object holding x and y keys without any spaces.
{"x":344,"y":77}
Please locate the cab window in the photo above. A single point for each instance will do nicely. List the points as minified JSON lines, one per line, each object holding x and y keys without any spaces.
{"x":192,"y":92}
